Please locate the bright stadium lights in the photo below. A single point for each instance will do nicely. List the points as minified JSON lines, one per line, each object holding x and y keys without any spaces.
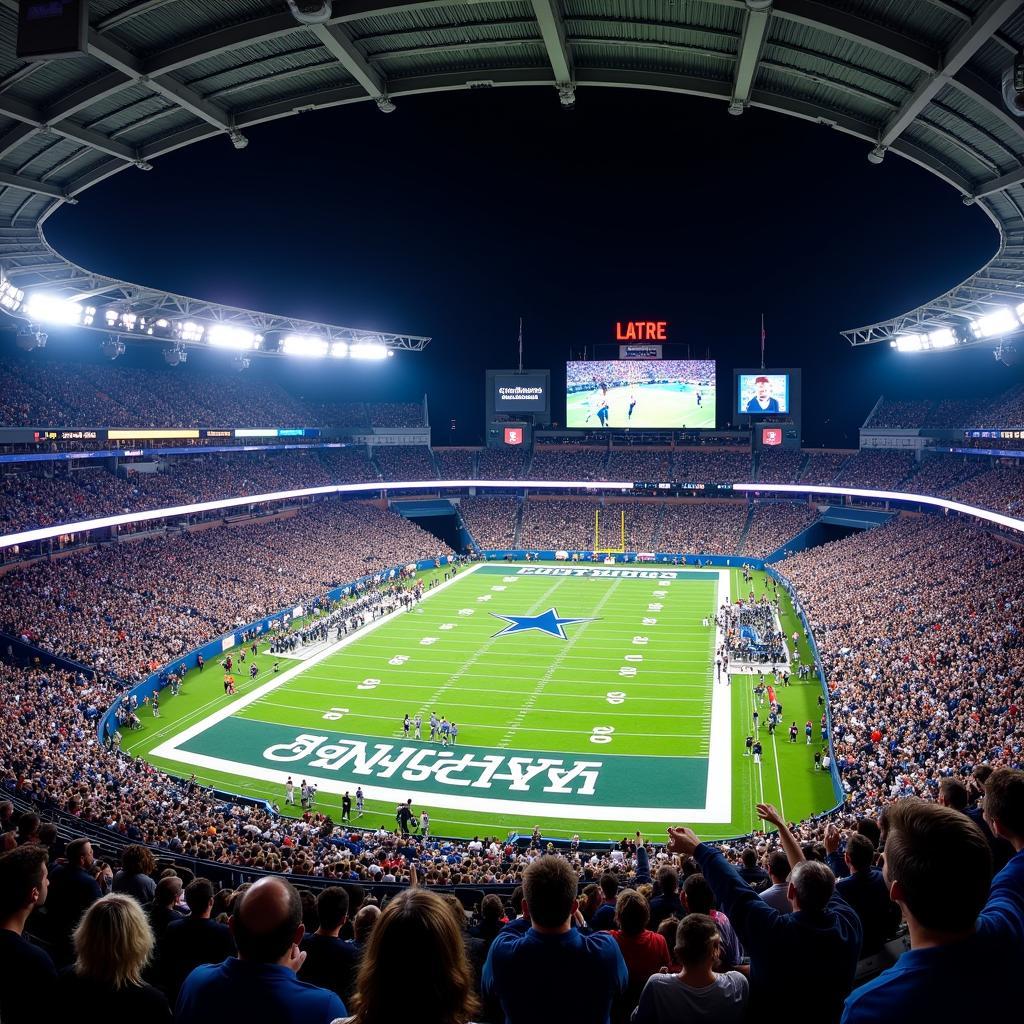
{"x":942,"y":338}
{"x":1002,"y":321}
{"x":241,"y":363}
{"x":308,"y":346}
{"x":368,"y":350}
{"x":227,"y":336}
{"x":53,"y":310}
{"x":189,"y":331}
{"x":909,"y":343}
{"x":339,"y":350}
{"x":11,"y":298}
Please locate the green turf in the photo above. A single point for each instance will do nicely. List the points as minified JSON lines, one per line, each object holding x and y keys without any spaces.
{"x":657,"y":405}
{"x":528,"y":696}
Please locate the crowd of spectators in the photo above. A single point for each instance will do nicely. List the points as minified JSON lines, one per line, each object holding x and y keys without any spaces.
{"x":708,"y":466}
{"x":772,"y":524}
{"x":491,"y":519}
{"x":40,"y":391}
{"x":565,"y":462}
{"x":877,"y":468}
{"x":639,"y":464}
{"x":126,"y":608}
{"x":937,"y":474}
{"x":404,"y":462}
{"x":1004,"y":410}
{"x":569,"y":525}
{"x":895,"y":413}
{"x":1000,"y":488}
{"x":779,"y":465}
{"x":455,"y":463}
{"x":823,"y":466}
{"x":501,"y":463}
{"x":711,"y":528}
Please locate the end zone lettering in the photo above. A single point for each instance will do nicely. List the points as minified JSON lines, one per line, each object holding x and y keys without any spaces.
{"x":444,"y":767}
{"x":629,"y":574}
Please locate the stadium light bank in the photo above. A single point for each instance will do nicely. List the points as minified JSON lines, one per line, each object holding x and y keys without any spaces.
{"x":232,"y":334}
{"x":1000,"y":323}
{"x":124,"y":519}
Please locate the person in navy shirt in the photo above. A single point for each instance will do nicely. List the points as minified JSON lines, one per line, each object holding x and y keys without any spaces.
{"x":261,"y":983}
{"x":865,"y":890}
{"x":966,"y":936}
{"x":810,"y":954}
{"x":604,"y":917}
{"x":542,"y":969}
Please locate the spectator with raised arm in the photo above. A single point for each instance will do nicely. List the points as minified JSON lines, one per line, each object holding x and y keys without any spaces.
{"x":812,"y":951}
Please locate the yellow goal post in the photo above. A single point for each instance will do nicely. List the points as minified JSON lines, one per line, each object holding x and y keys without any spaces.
{"x":621,"y":549}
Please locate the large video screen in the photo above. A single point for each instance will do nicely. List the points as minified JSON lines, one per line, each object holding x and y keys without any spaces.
{"x":645,"y":393}
{"x":762,"y":393}
{"x":521,"y":392}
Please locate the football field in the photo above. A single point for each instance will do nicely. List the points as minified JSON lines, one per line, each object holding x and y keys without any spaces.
{"x":584,"y":697}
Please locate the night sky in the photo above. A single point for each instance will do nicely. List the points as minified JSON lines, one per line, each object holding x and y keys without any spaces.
{"x":459,"y":213}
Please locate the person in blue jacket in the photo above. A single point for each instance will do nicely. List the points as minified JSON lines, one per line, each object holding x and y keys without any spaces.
{"x":809,"y":955}
{"x":966,"y":936}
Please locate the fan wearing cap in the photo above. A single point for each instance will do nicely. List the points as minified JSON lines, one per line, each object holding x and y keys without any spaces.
{"x":762,"y":400}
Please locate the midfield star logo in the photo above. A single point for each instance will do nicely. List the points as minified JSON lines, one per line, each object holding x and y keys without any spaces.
{"x":547,"y":622}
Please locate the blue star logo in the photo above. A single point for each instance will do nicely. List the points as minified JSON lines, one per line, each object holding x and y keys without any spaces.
{"x":547,"y":622}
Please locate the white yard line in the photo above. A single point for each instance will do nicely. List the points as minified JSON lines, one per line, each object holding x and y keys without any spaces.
{"x":169,"y":748}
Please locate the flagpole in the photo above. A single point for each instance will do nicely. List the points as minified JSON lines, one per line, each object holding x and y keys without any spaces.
{"x":762,"y":341}
{"x":520,"y":344}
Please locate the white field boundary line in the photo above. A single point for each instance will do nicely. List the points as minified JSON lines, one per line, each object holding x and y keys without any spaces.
{"x":719,"y":791}
{"x":719,"y":766}
{"x":169,"y":748}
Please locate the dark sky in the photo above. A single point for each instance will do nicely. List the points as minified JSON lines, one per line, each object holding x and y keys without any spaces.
{"x":462,"y":212}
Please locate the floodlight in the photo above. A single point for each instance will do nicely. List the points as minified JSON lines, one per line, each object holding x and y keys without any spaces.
{"x":175,"y":356}
{"x":943,"y":338}
{"x":112,"y":348}
{"x":189,"y":331}
{"x":11,"y":298}
{"x":1002,"y":321}
{"x":240,"y":363}
{"x":227,"y":336}
{"x":51,"y":309}
{"x":368,"y":350}
{"x":305,"y":345}
{"x":909,"y":342}
{"x":339,"y":349}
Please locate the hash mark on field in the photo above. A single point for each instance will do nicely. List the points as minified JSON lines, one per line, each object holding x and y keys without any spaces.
{"x":531,"y":699}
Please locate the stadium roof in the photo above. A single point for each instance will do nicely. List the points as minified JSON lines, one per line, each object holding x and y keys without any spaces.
{"x":920,"y":79}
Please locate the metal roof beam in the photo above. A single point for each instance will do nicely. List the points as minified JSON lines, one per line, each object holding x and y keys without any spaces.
{"x":755,"y":29}
{"x":966,"y":44}
{"x":1004,"y":181}
{"x":338,"y":44}
{"x":121,"y":60}
{"x":39,"y":188}
{"x":552,"y":30}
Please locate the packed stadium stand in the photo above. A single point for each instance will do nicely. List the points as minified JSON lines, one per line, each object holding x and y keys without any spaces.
{"x":702,"y":527}
{"x":405,"y":462}
{"x":126,"y":609}
{"x":568,"y":462}
{"x":822,"y":466}
{"x":500,"y":464}
{"x":492,"y":521}
{"x":772,"y":525}
{"x":455,"y":463}
{"x":779,"y":467}
{"x":877,"y":468}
